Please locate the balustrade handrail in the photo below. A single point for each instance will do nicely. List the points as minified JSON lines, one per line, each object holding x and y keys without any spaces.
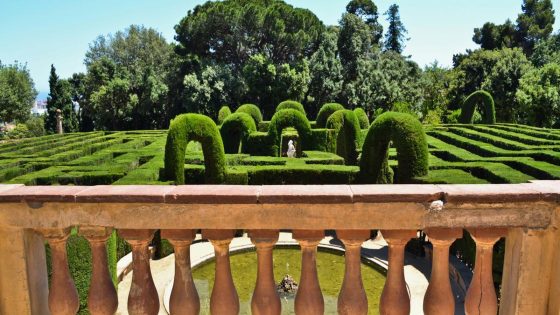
{"x":528,"y":215}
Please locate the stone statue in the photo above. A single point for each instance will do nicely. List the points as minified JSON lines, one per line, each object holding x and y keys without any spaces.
{"x":291,"y":149}
{"x":59,"y":129}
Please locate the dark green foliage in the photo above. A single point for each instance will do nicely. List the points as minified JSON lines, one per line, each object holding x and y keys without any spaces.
{"x":223,"y":114}
{"x":17,"y":92}
{"x":362,"y":117}
{"x":408,"y":137}
{"x":395,"y":36}
{"x":200,"y":128}
{"x":477,"y":98}
{"x":260,"y":144}
{"x":235,"y":129}
{"x":325,"y":112}
{"x":252,"y":110}
{"x":60,"y":97}
{"x":323,"y":140}
{"x":347,"y":128}
{"x":289,"y":118}
{"x":291,"y":105}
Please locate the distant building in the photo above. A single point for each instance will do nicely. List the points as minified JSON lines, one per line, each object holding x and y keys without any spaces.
{"x":39,"y":108}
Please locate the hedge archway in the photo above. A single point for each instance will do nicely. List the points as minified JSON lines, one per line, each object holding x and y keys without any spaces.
{"x":288,"y":118}
{"x":476,"y":98}
{"x":252,"y":110}
{"x":223,"y":113}
{"x":325,"y":112}
{"x":347,"y":128}
{"x":407,"y":136}
{"x":194,"y":127}
{"x":291,"y":105}
{"x":362,"y":117}
{"x":235,"y":129}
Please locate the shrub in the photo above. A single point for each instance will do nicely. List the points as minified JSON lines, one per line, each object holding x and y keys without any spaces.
{"x":362,"y":117}
{"x":325,"y":112}
{"x":291,"y":105}
{"x":194,"y":127}
{"x":468,"y":109}
{"x":223,"y":113}
{"x":407,"y":136}
{"x":259,"y":144}
{"x":347,"y":129}
{"x":288,"y":118}
{"x":252,"y":110}
{"x":235,"y":129}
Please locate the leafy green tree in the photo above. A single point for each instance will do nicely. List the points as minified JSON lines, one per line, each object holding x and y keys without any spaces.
{"x":547,"y":51}
{"x":354,"y":43}
{"x":60,"y":97}
{"x":491,"y":36}
{"x":434,"y":82}
{"x":207,"y":92}
{"x":326,"y":73}
{"x":367,"y":11}
{"x":17,"y":92}
{"x":534,"y":23}
{"x":396,"y":32}
{"x":113,"y":105}
{"x":539,"y":96}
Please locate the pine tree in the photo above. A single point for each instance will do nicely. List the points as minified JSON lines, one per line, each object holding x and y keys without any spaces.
{"x":395,"y":36}
{"x":60,"y":97}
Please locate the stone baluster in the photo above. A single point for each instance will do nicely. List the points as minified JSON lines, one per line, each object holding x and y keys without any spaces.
{"x":184,"y":297}
{"x":63,"y":297}
{"x":395,"y":299}
{"x":265,"y":299}
{"x":224,"y":299}
{"x":439,"y":298}
{"x":352,"y":298}
{"x":309,"y":298}
{"x":481,"y":295}
{"x":143,"y":297}
{"x":102,"y":298}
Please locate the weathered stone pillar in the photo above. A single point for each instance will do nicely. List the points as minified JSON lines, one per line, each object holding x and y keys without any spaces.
{"x":224,"y":299}
{"x":309,"y":298}
{"x":481,"y":296}
{"x":184,"y":297}
{"x":59,"y":129}
{"x":352,"y":299}
{"x":395,"y":299}
{"x":143,"y":298}
{"x":265,"y":299}
{"x":63,"y":297}
{"x":102,"y":298}
{"x":439,"y":298}
{"x":24,"y":286}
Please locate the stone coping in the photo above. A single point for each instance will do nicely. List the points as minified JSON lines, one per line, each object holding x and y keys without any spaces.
{"x":285,"y":194}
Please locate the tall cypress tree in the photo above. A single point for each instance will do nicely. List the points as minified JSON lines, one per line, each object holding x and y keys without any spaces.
{"x":60,"y":97}
{"x":395,"y":36}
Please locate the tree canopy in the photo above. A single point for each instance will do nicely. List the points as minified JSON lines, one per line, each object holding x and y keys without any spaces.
{"x":17,"y":92}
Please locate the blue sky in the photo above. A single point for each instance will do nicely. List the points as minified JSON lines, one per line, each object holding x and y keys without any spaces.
{"x":40,"y":32}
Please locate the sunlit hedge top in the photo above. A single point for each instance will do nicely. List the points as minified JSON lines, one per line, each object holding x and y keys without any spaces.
{"x":362,"y":117}
{"x":223,"y":113}
{"x":236,"y":128}
{"x":324,"y":113}
{"x":291,"y":105}
{"x":252,"y":110}
{"x":477,"y":98}
{"x":289,"y":118}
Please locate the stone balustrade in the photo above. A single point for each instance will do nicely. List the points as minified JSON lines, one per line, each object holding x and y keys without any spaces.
{"x":527,"y":215}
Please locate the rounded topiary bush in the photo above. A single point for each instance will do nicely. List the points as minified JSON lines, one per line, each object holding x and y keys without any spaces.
{"x":194,"y":127}
{"x":325,"y":112}
{"x":477,"y":98}
{"x":252,"y":110}
{"x":347,"y":128}
{"x":408,"y":137}
{"x":223,"y":113}
{"x":291,"y":105}
{"x":362,"y":117}
{"x":288,"y":118}
{"x":235,"y":129}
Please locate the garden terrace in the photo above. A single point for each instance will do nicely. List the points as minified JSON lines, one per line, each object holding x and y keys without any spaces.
{"x":527,"y":215}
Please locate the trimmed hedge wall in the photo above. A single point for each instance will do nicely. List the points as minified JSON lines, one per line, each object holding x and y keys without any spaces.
{"x":223,"y":114}
{"x":347,"y":128}
{"x":478,"y":97}
{"x":194,"y":127}
{"x":407,"y":136}
{"x":259,"y":144}
{"x":252,"y":110}
{"x":235,"y":130}
{"x":291,"y":105}
{"x":362,"y":117}
{"x":289,"y":118}
{"x":325,"y":112}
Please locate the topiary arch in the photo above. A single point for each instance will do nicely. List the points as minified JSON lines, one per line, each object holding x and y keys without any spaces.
{"x":347,"y":128}
{"x":194,"y":127}
{"x":291,"y":105}
{"x":407,"y":136}
{"x":235,"y":129}
{"x":252,"y":110}
{"x":288,"y":118}
{"x":488,"y":112}
{"x":325,"y":112}
{"x":223,"y":113}
{"x":362,"y":117}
